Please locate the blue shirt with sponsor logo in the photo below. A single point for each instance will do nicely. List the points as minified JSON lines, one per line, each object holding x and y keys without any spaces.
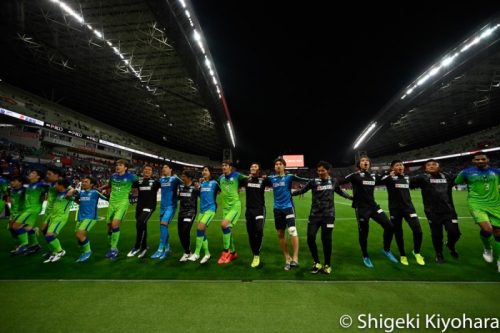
{"x":208,"y":194}
{"x":282,"y":186}
{"x":169,"y":187}
{"x":88,"y":204}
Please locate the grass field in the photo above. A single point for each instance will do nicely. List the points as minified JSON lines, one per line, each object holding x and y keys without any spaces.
{"x":131,"y":295}
{"x":346,"y":263}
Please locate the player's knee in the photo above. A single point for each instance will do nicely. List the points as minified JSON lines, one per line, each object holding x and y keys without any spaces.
{"x":80,"y":235}
{"x":292,"y":231}
{"x":281,"y":233}
{"x":486,"y":233}
{"x":201,"y":226}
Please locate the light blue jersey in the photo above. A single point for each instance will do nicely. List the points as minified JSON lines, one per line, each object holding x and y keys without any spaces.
{"x":208,"y":194}
{"x":88,"y":204}
{"x":169,"y":187}
{"x":282,"y":186}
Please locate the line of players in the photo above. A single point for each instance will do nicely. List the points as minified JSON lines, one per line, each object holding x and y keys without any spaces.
{"x":436,"y":187}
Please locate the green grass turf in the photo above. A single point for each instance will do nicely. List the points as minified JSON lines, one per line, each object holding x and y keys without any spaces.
{"x":347,"y":262}
{"x":157,"y":306}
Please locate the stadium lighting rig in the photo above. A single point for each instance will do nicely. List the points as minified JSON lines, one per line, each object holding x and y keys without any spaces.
{"x":100,"y":35}
{"x":365,"y":133}
{"x":450,"y":58}
{"x":210,"y":68}
{"x":452,"y":155}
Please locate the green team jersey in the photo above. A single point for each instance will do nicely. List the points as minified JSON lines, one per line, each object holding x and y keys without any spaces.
{"x":229,"y":186}
{"x":121,"y":187}
{"x":4,"y":185}
{"x":34,"y":196}
{"x":51,"y":197}
{"x":62,"y":206}
{"x":482,"y":185}
{"x":16,"y":200}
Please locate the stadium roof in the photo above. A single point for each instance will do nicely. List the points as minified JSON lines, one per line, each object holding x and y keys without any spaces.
{"x":457,"y":95}
{"x":140,"y":65}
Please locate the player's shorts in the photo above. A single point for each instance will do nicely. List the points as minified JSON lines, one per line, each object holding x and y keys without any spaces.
{"x":85,"y":224}
{"x":27,"y":217}
{"x":284,"y":218}
{"x":232,"y":213}
{"x":167,"y":214}
{"x":486,"y":214}
{"x":56,"y":224}
{"x":206,"y":217}
{"x":117,"y":211}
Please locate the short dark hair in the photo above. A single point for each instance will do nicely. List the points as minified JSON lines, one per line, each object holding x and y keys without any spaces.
{"x":188,"y":173}
{"x":209,"y":168}
{"x":64,"y":182}
{"x":431,"y":160}
{"x":122,"y":161}
{"x":280,"y":159}
{"x":39,"y":173}
{"x":396,"y":161}
{"x":169,"y":164}
{"x":228,"y":162}
{"x":479,"y":153}
{"x":92,"y":180}
{"x":256,"y":163}
{"x":324,"y":164}
{"x":55,"y":170}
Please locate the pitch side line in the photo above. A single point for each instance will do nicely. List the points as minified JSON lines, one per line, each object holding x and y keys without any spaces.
{"x":250,"y":281}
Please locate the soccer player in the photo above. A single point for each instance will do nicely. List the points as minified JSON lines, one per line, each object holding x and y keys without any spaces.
{"x":363,"y":185}
{"x":17,"y":197}
{"x":88,"y":199}
{"x":168,"y":205}
{"x":284,"y":214}
{"x":58,"y":218}
{"x":146,"y":205}
{"x":208,"y":206}
{"x":25,"y":222}
{"x":436,"y":188}
{"x":52,"y":176}
{"x":255,"y":213}
{"x":4,"y":185}
{"x":121,"y":185}
{"x":484,"y":201}
{"x":188,"y":206}
{"x":401,"y":206}
{"x":230,"y":181}
{"x":322,"y":214}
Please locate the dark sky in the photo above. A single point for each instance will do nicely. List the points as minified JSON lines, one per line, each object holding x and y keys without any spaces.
{"x":287,"y":67}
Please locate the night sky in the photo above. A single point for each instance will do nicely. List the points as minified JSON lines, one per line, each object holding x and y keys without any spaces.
{"x":286,"y":67}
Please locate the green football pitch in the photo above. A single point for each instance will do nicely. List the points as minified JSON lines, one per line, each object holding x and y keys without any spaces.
{"x":133,"y":294}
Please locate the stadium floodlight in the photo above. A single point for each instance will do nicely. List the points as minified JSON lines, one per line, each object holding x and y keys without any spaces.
{"x":214,"y":80}
{"x":365,"y":133}
{"x":435,"y":68}
{"x":231,"y":134}
{"x":97,"y":33}
{"x":183,"y":4}
{"x":188,"y":14}
{"x":442,"y":157}
{"x":196,"y":35}
{"x":208,"y":63}
{"x":188,"y":164}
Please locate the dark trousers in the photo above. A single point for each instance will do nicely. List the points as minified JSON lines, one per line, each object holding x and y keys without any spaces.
{"x":378,"y":215}
{"x":185,"y":222}
{"x":326,"y":224}
{"x":437,"y":223}
{"x":256,"y":219}
{"x":142,"y":216}
{"x":412,"y":219}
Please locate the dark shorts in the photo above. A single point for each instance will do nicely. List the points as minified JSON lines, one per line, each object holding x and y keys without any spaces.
{"x":284,"y":218}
